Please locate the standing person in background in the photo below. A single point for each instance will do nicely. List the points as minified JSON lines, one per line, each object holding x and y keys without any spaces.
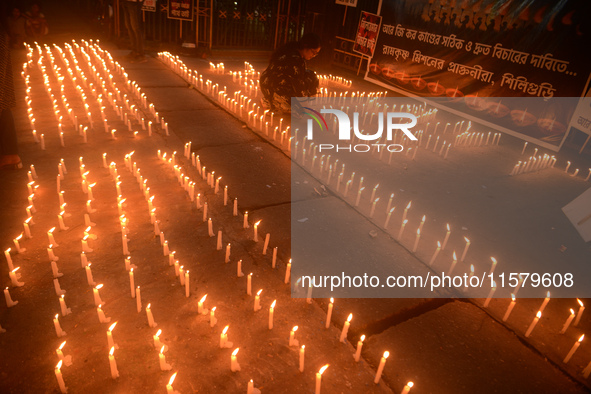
{"x":36,"y":25}
{"x":132,"y":10}
{"x":16,"y":28}
{"x":287,"y":75}
{"x":9,"y":158}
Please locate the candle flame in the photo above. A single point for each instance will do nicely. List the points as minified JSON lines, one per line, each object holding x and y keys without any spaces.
{"x":494,"y":260}
{"x":51,"y":230}
{"x":405,"y":221}
{"x":202,"y":300}
{"x":59,"y":365}
{"x":62,"y":345}
{"x":259,"y":292}
{"x":418,"y":231}
{"x":331,"y":300}
{"x":572,"y":311}
{"x":581,"y":338}
{"x":213,"y":309}
{"x":539,"y":314}
{"x":410,"y":384}
{"x":112,"y":326}
{"x":148,"y":307}
{"x":350,"y":317}
{"x":321,"y":371}
{"x":273,"y":304}
{"x":162,"y":349}
{"x":467,"y":240}
{"x":225,"y":330}
{"x":386,"y":354}
{"x":235,"y":352}
{"x":112,"y":350}
{"x":548,"y":294}
{"x":362,"y":338}
{"x":424,"y":218}
{"x":56,"y":315}
{"x":512,"y":297}
{"x":580,"y":302}
{"x":257,"y":223}
{"x":448,"y":227}
{"x":294,"y":329}
{"x":472,"y":268}
{"x":408,"y":206}
{"x":454,"y":255}
{"x":19,"y":237}
{"x":172,"y":379}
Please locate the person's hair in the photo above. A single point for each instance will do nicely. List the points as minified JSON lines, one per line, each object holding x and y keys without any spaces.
{"x":309,"y":41}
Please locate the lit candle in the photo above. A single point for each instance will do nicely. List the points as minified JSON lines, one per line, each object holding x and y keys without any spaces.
{"x":381,"y":367}
{"x":249,"y":284}
{"x":256,"y":225}
{"x":212,"y":318}
{"x":66,"y":359}
{"x":494,"y":264}
{"x":533,"y":324}
{"x":319,"y":379}
{"x":227,"y":257}
{"x":510,"y":308}
{"x":454,"y":262}
{"x":224,"y":343}
{"x":151,"y":321}
{"x":113,"y":364}
{"x":157,"y":343}
{"x":234,"y":366}
{"x":568,"y":321}
{"x":60,"y":379}
{"x":271,"y":311}
{"x":573,"y":349}
{"x":97,"y":296}
{"x":138,"y":299}
{"x":292,"y":341}
{"x":546,"y":300}
{"x":346,"y":328}
{"x":287,"y":272}
{"x":266,"y":245}
{"x":406,"y":211}
{"x":164,"y":366}
{"x":257,"y":301}
{"x":169,"y":389}
{"x":407,"y":388}
{"x":329,"y":313}
{"x":580,"y":312}
{"x":101,"y":315}
{"x":200,"y":309}
{"x":446,"y":237}
{"x":357,"y":354}
{"x":418,"y":237}
{"x":9,"y":302}
{"x":235,"y":207}
{"x":302,"y":354}
{"x":8,"y":259}
{"x":490,"y":294}
{"x":58,"y":329}
{"x":14,"y":277}
{"x":50,"y":236}
{"x":465,"y":249}
{"x":110,"y":341}
{"x":65,"y":310}
{"x":56,"y":286}
{"x":239,"y":269}
{"x":17,"y":244}
{"x":187,"y":289}
{"x":402,"y":228}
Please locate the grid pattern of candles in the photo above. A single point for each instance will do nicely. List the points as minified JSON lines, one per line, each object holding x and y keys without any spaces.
{"x":99,"y":57}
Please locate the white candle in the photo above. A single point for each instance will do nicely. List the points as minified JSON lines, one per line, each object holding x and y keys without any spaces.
{"x":14,"y":277}
{"x":9,"y":302}
{"x":200,"y":309}
{"x":381,"y":367}
{"x":266,"y":245}
{"x":357,"y":354}
{"x":110,"y":341}
{"x":60,"y":379}
{"x":245,"y":221}
{"x":151,"y":321}
{"x":255,"y":237}
{"x":227,"y":257}
{"x":64,"y":309}
{"x":453,"y":263}
{"x":234,"y":366}
{"x":239,"y":269}
{"x":187,"y":288}
{"x":257,"y":301}
{"x":417,"y":238}
{"x":50,"y":236}
{"x":138,"y":299}
{"x":292,"y":341}
{"x":249,"y":284}
{"x":402,"y":228}
{"x":302,"y":354}
{"x":407,"y":388}
{"x":67,"y":360}
{"x":55,"y":270}
{"x":573,"y":349}
{"x":212,"y":318}
{"x":329,"y":313}
{"x":235,"y":208}
{"x":510,"y":308}
{"x":465,"y":249}
{"x":346,"y":328}
{"x":580,"y":312}
{"x":157,"y":343}
{"x":274,"y":258}
{"x":494,"y":264}
{"x":568,"y":321}
{"x":224,"y":343}
{"x":8,"y":259}
{"x":113,"y":364}
{"x":169,"y":389}
{"x":490,"y":294}
{"x":56,"y":286}
{"x":271,"y":311}
{"x":546,"y":300}
{"x":58,"y":329}
{"x":287,"y":272}
{"x":164,"y":366}
{"x":533,"y":324}
{"x":101,"y":315}
{"x":319,"y":379}
{"x":446,"y":238}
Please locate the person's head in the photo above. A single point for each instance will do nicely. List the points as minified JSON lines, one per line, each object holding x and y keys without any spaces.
{"x":309,"y":45}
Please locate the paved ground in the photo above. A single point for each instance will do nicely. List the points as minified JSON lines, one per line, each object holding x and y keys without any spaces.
{"x":442,"y":345}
